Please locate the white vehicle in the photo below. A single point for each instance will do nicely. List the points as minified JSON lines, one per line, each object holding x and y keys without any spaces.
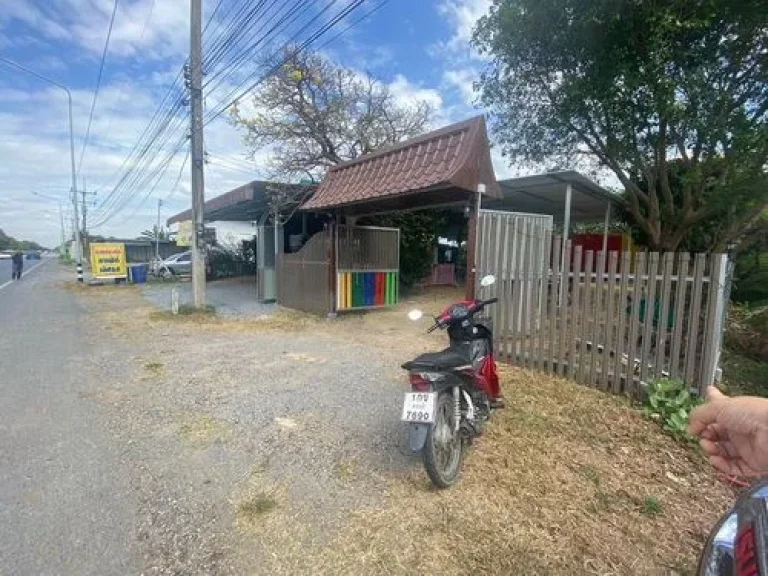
{"x":5,"y":255}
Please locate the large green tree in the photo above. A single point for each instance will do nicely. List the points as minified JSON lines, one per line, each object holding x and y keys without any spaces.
{"x":651,"y":90}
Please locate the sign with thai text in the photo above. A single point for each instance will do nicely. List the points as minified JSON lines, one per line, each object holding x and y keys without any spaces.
{"x":108,"y":260}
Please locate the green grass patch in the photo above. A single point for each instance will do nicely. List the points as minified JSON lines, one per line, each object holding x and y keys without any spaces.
{"x":253,"y":508}
{"x":651,"y":506}
{"x":154,"y":367}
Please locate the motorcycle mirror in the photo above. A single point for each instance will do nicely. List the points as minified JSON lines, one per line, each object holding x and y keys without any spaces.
{"x":415,"y":314}
{"x":739,"y":539}
{"x":488,"y":280}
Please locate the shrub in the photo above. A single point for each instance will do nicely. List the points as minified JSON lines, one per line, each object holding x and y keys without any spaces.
{"x":669,"y":402}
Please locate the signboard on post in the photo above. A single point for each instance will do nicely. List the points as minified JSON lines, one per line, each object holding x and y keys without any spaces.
{"x":108,"y":261}
{"x":184,"y":235}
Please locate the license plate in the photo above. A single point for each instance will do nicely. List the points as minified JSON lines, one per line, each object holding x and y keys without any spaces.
{"x":419,"y":407}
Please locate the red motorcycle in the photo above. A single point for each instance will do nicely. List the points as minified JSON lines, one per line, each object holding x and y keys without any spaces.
{"x":453,"y":391}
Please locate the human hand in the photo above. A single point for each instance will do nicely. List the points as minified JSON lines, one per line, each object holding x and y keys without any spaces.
{"x":733,"y":432}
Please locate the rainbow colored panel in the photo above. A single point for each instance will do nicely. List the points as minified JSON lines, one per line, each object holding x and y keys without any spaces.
{"x":367,"y":289}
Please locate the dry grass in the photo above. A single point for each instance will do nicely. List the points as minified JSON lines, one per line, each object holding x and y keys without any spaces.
{"x":567,"y":480}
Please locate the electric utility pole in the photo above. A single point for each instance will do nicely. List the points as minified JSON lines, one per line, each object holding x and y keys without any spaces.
{"x":196,"y":149}
{"x":85,"y":213}
{"x":157,"y":231}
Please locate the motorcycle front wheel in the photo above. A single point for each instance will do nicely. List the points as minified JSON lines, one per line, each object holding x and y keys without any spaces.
{"x":444,"y":447}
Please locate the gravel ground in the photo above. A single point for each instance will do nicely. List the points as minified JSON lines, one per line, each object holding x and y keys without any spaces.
{"x":233,"y":428}
{"x":232,"y":298}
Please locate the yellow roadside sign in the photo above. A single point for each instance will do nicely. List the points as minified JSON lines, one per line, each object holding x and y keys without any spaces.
{"x":108,"y":260}
{"x":184,"y":235}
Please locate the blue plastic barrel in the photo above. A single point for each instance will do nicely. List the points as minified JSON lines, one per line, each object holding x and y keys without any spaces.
{"x":139,"y":273}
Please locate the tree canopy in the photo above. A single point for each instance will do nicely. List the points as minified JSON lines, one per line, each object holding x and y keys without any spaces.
{"x":11,"y":243}
{"x":671,"y":96}
{"x":313,"y":113}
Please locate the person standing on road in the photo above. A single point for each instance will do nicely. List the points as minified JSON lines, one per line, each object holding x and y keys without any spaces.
{"x":17,"y":261}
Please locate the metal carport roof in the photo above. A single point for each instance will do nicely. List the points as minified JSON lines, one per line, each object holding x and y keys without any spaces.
{"x":547,"y":194}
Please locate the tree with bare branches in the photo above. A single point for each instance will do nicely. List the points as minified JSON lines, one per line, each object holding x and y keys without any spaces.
{"x":312,"y":114}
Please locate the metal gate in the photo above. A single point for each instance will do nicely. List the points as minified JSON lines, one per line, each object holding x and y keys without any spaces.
{"x":304,"y":276}
{"x":515,"y":248}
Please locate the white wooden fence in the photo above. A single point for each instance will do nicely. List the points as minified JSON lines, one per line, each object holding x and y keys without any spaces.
{"x":614,"y":320}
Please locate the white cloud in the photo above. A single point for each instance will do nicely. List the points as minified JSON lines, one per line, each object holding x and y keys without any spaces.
{"x":462,"y":80}
{"x":408,"y":94}
{"x":462,"y":15}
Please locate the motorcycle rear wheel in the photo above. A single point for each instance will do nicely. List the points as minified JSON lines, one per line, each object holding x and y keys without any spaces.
{"x":443,"y":449}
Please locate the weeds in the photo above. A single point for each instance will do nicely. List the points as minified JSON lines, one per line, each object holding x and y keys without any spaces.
{"x":154,"y":367}
{"x":651,"y":506}
{"x":669,"y":402}
{"x":253,"y":508}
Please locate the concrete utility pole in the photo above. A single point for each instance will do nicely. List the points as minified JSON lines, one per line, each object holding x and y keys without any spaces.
{"x":198,"y":183}
{"x":157,"y":231}
{"x":85,"y":213}
{"x":73,"y":198}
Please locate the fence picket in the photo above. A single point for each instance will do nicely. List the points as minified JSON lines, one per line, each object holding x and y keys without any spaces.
{"x":524,"y":293}
{"x":609,"y":324}
{"x":634,"y":319}
{"x":543,"y":288}
{"x":709,"y":355}
{"x":509,"y":290}
{"x":564,"y":344}
{"x":647,"y":323}
{"x":683,"y":270}
{"x":573,"y":345}
{"x":699,"y":264}
{"x":516,"y":291}
{"x":596,"y":318}
{"x":585,"y":314}
{"x":502,"y":278}
{"x":554,"y":290}
{"x":663,"y":324}
{"x":621,"y":336}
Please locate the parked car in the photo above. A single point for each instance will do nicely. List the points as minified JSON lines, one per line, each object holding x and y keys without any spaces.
{"x":33,"y":255}
{"x":177,"y":265}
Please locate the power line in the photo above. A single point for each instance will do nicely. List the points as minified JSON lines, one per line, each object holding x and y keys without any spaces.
{"x":178,"y":178}
{"x":300,"y":48}
{"x":98,"y":85}
{"x":230,"y":68}
{"x":353,"y":24}
{"x":146,"y":22}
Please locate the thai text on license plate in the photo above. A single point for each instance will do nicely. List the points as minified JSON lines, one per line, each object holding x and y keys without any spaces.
{"x":419,"y":407}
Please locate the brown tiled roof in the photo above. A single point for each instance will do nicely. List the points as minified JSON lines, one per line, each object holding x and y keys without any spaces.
{"x":455,"y":157}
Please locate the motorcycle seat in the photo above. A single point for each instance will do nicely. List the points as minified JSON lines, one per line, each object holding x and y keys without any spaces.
{"x":445,"y":360}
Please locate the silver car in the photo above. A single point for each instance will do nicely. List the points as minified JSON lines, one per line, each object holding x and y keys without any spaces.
{"x":177,"y":265}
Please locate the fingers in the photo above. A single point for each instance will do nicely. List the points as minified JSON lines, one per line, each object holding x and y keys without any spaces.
{"x":704,"y":416}
{"x":712,"y":394}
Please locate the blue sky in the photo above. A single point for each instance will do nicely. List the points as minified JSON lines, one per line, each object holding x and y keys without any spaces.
{"x":418,"y":47}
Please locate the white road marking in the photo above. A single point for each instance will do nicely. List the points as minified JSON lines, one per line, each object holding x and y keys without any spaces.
{"x":23,"y":274}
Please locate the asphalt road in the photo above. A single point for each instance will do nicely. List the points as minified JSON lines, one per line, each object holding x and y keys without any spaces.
{"x":6,"y":267}
{"x":66,"y":506}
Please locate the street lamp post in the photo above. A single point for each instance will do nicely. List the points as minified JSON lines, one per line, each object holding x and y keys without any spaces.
{"x":61,"y":216}
{"x":78,"y":247}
